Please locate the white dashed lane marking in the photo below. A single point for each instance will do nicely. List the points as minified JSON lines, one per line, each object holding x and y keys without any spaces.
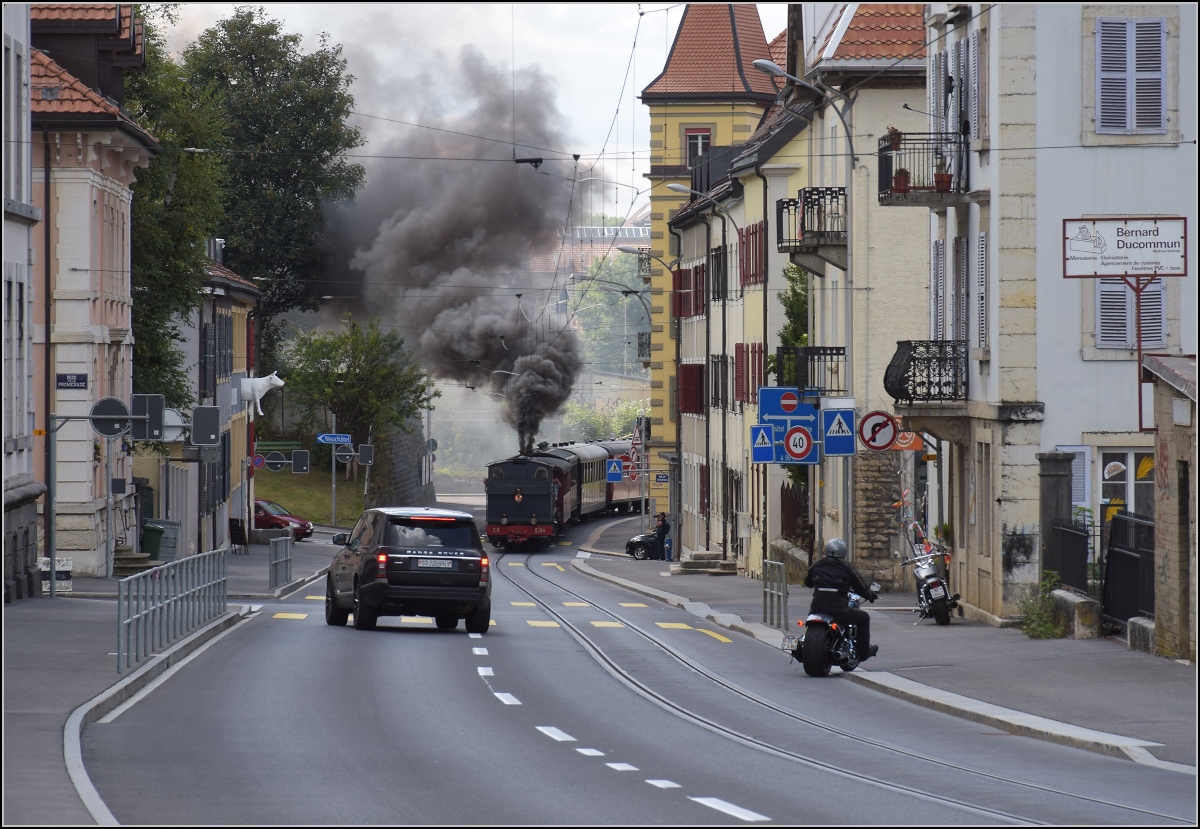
{"x":729,"y":808}
{"x":556,"y":734}
{"x":507,"y":699}
{"x":664,"y":784}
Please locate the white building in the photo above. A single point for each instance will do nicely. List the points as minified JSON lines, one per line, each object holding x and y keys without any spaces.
{"x":1045,"y":117}
{"x":21,"y":490}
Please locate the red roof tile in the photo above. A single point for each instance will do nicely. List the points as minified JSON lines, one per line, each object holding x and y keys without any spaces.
{"x":713,"y":55}
{"x":878,"y":31}
{"x":778,"y":48}
{"x":216,"y":269}
{"x":55,"y":90}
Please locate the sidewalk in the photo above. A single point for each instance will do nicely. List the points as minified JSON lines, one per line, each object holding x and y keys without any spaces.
{"x":1095,"y":694}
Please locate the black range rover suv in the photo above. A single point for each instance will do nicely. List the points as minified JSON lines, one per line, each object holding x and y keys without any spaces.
{"x":414,"y":561}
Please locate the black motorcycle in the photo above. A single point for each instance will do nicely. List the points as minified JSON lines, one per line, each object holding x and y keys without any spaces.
{"x":825,"y":643}
{"x":933,"y":596}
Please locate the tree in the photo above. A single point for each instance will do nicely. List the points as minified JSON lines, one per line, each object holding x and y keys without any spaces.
{"x":795,"y":307}
{"x":285,"y":128}
{"x":176,"y":208}
{"x":362,"y":374}
{"x":585,"y":422}
{"x":610,"y":315}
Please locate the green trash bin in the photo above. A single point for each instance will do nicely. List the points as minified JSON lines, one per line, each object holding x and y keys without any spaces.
{"x":152,"y":536}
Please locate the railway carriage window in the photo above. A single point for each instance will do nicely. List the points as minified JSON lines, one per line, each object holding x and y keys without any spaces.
{"x":540,"y":473}
{"x":497,"y":472}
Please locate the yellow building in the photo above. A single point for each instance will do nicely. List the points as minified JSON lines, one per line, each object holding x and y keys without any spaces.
{"x":708,"y":96}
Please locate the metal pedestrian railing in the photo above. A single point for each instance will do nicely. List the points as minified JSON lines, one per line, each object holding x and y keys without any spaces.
{"x":280,"y":561}
{"x":160,"y":606}
{"x":775,"y":593}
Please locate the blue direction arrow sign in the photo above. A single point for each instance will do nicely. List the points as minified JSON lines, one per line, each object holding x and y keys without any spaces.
{"x":333,"y":438}
{"x":762,"y":444}
{"x":613,"y":472}
{"x":837,"y":432}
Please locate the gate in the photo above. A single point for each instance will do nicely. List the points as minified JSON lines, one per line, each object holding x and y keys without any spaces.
{"x":279,"y":562}
{"x":793,"y":521}
{"x":775,"y":593}
{"x":1069,"y":554}
{"x":1129,"y":570}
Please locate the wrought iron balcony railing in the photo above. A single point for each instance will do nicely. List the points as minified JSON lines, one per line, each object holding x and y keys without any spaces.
{"x":923,"y":371}
{"x":643,"y":342}
{"x":817,"y":216}
{"x":817,"y":370}
{"x":922,"y":162}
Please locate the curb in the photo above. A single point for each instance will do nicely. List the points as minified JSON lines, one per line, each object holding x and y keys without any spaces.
{"x":1005,"y":719}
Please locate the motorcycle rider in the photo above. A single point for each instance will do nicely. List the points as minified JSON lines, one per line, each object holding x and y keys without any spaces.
{"x":832,"y":578}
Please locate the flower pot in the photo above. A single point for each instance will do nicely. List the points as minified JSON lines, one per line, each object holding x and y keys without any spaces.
{"x":900,"y":183}
{"x":941,"y":181}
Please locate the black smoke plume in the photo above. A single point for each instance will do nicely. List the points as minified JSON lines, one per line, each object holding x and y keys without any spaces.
{"x":437,"y":244}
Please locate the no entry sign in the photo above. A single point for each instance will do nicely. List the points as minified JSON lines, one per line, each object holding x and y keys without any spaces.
{"x":878,"y":430}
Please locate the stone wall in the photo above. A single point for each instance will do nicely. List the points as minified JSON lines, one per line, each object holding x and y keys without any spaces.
{"x":876,"y":525}
{"x":22,"y":579}
{"x":396,"y":475}
{"x":1174,"y":524}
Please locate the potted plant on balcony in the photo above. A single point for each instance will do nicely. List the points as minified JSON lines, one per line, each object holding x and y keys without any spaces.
{"x":901,"y":179}
{"x":942,"y":178}
{"x":894,"y":137}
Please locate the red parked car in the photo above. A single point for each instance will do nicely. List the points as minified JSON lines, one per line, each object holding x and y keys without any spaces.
{"x":269,"y":515}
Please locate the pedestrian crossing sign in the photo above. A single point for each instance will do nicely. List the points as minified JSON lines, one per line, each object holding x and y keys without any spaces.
{"x":762,"y":444}
{"x":613,"y":469}
{"x":837,"y":432}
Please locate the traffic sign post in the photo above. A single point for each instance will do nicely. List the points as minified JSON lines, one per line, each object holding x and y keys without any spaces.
{"x":878,"y":430}
{"x":276,"y":461}
{"x":345,"y":453}
{"x":334,"y":438}
{"x":798,"y":447}
{"x":837,"y":432}
{"x":762,"y":444}
{"x":613,"y":471}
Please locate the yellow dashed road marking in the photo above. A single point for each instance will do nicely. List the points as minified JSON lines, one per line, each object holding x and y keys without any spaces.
{"x":537,"y":624}
{"x":523,"y":604}
{"x":553,"y":564}
{"x":608,"y":624}
{"x":515,"y":563}
{"x":290,"y":616}
{"x":416,"y":620}
{"x":576,"y":604}
{"x":714,"y":635}
{"x":564,"y":544}
{"x":674,"y":625}
{"x":315,"y":598}
{"x":634,"y":604}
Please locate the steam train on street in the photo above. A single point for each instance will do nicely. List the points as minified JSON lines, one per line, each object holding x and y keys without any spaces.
{"x":532,"y":499}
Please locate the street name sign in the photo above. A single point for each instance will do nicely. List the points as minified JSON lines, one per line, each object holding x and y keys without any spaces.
{"x":333,"y":438}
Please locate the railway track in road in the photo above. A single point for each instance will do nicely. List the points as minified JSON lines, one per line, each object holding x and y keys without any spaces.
{"x":614,"y":668}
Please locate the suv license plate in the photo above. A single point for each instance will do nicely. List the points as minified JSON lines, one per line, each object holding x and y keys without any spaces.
{"x":442,"y":563}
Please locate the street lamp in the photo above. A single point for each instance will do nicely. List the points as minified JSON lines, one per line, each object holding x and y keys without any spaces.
{"x":679,"y":188}
{"x":826,"y":93}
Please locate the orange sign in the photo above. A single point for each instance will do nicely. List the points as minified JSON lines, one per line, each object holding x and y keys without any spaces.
{"x":908,"y":441}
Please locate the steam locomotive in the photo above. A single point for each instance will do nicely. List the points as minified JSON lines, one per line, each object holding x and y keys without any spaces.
{"x":531,"y":499}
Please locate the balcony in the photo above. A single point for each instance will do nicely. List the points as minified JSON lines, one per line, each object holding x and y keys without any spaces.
{"x":936,"y":164}
{"x":928,"y":371}
{"x":816,"y":370}
{"x":812,"y":228}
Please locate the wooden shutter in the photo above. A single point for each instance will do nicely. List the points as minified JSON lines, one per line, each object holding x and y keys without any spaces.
{"x":739,"y":372}
{"x":937,"y":291}
{"x":981,"y":271}
{"x":976,"y":87}
{"x":1131,"y":66}
{"x":677,"y":292}
{"x":1154,"y":320}
{"x":1112,"y":313}
{"x":1149,"y":76}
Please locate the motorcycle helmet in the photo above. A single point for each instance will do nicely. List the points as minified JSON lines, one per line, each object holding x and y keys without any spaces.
{"x":836,"y":547}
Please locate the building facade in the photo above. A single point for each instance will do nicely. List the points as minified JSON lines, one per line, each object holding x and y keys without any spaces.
{"x":1042,"y":120}
{"x":21,"y":488}
{"x":86,"y":152}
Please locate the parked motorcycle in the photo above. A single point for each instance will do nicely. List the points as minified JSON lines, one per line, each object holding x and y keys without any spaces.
{"x":933,"y":598}
{"x":825,"y":643}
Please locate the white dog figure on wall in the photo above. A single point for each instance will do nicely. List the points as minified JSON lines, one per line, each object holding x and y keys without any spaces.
{"x":253,"y":388}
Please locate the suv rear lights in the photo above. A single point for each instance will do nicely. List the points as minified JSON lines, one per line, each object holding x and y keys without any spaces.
{"x":381,"y":560}
{"x":483,"y":570}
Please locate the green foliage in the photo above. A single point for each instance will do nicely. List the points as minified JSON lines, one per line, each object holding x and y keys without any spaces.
{"x":586,"y":422}
{"x":610,"y":314}
{"x":1038,"y":619}
{"x":176,"y":208}
{"x":362,"y":374}
{"x":310,"y":496}
{"x":284,"y":123}
{"x":795,"y":308}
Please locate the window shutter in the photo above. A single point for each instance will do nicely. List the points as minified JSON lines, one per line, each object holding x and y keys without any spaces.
{"x":703,"y":499}
{"x":739,"y":372}
{"x":1081,"y":489}
{"x":975,"y":86}
{"x":1149,"y":76}
{"x":1112,"y":76}
{"x":981,"y":265}
{"x":935,"y":92}
{"x":1112,"y":314}
{"x":955,"y":71}
{"x":1154,"y":322}
{"x":937,"y":290}
{"x":677,"y":293}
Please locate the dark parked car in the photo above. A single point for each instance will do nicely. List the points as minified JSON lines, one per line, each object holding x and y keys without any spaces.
{"x":414,"y":561}
{"x":269,"y":515}
{"x":642,"y":546}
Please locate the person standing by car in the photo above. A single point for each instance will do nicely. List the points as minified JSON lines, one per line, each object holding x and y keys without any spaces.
{"x":832,"y":578}
{"x":662,"y":529}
